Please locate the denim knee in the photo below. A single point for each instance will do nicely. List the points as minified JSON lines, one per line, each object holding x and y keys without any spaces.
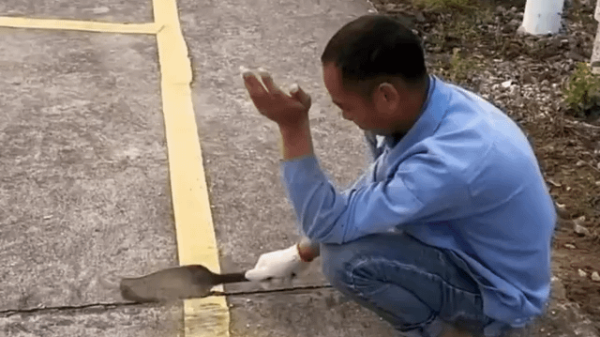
{"x":355,"y":275}
{"x":352,"y":272}
{"x":406,"y":283}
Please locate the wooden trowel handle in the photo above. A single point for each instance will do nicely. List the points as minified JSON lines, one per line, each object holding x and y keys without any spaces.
{"x":230,"y":278}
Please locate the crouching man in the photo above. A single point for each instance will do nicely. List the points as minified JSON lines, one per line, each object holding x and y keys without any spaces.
{"x":450,"y":226}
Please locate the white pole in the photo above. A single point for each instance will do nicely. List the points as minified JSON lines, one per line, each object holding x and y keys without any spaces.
{"x":542,"y":17}
{"x":596,"y":53}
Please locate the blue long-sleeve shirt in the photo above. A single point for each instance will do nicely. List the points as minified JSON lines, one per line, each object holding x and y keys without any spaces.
{"x":463,"y":178}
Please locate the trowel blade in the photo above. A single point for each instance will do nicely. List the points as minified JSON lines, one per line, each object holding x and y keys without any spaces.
{"x":170,"y":284}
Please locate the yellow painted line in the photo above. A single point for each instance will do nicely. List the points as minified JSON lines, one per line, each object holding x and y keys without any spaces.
{"x":88,"y":26}
{"x":196,"y":241}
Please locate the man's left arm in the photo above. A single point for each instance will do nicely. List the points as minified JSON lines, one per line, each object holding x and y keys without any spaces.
{"x":421,"y":190}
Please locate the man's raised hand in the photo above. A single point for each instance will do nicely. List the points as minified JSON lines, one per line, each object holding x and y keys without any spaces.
{"x":287,"y":109}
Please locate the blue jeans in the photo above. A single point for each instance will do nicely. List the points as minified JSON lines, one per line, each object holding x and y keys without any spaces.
{"x":415,"y":287}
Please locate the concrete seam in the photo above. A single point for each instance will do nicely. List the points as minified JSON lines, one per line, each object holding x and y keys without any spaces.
{"x":106,"y":306}
{"x":270,"y":291}
{"x":113,"y":305}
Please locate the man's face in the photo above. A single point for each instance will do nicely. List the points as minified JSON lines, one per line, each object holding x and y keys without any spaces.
{"x":354,"y":106}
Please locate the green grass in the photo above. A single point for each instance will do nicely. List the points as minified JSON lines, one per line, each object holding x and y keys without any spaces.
{"x":582,"y":91}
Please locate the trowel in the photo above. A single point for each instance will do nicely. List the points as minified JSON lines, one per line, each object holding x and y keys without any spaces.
{"x":178,"y":283}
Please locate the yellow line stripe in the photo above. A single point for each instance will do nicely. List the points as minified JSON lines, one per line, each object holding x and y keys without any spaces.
{"x":196,"y":239}
{"x":89,"y":26}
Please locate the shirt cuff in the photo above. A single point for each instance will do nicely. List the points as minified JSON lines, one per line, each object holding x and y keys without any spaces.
{"x":301,"y":170}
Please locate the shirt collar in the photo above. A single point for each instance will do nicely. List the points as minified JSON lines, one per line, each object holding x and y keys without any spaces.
{"x":433,"y":112}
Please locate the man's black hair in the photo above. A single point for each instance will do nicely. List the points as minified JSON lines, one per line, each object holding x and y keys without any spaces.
{"x":373,"y":49}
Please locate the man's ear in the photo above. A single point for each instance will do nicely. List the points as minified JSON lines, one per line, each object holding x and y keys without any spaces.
{"x":386,"y":97}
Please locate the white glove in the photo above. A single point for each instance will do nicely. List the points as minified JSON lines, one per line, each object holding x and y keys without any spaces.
{"x":280,"y":264}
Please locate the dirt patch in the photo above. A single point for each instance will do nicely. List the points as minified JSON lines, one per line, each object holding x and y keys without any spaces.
{"x":525,"y":76}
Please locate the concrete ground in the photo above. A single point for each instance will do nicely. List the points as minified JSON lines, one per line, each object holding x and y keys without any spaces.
{"x":136,"y":11}
{"x":84,"y":189}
